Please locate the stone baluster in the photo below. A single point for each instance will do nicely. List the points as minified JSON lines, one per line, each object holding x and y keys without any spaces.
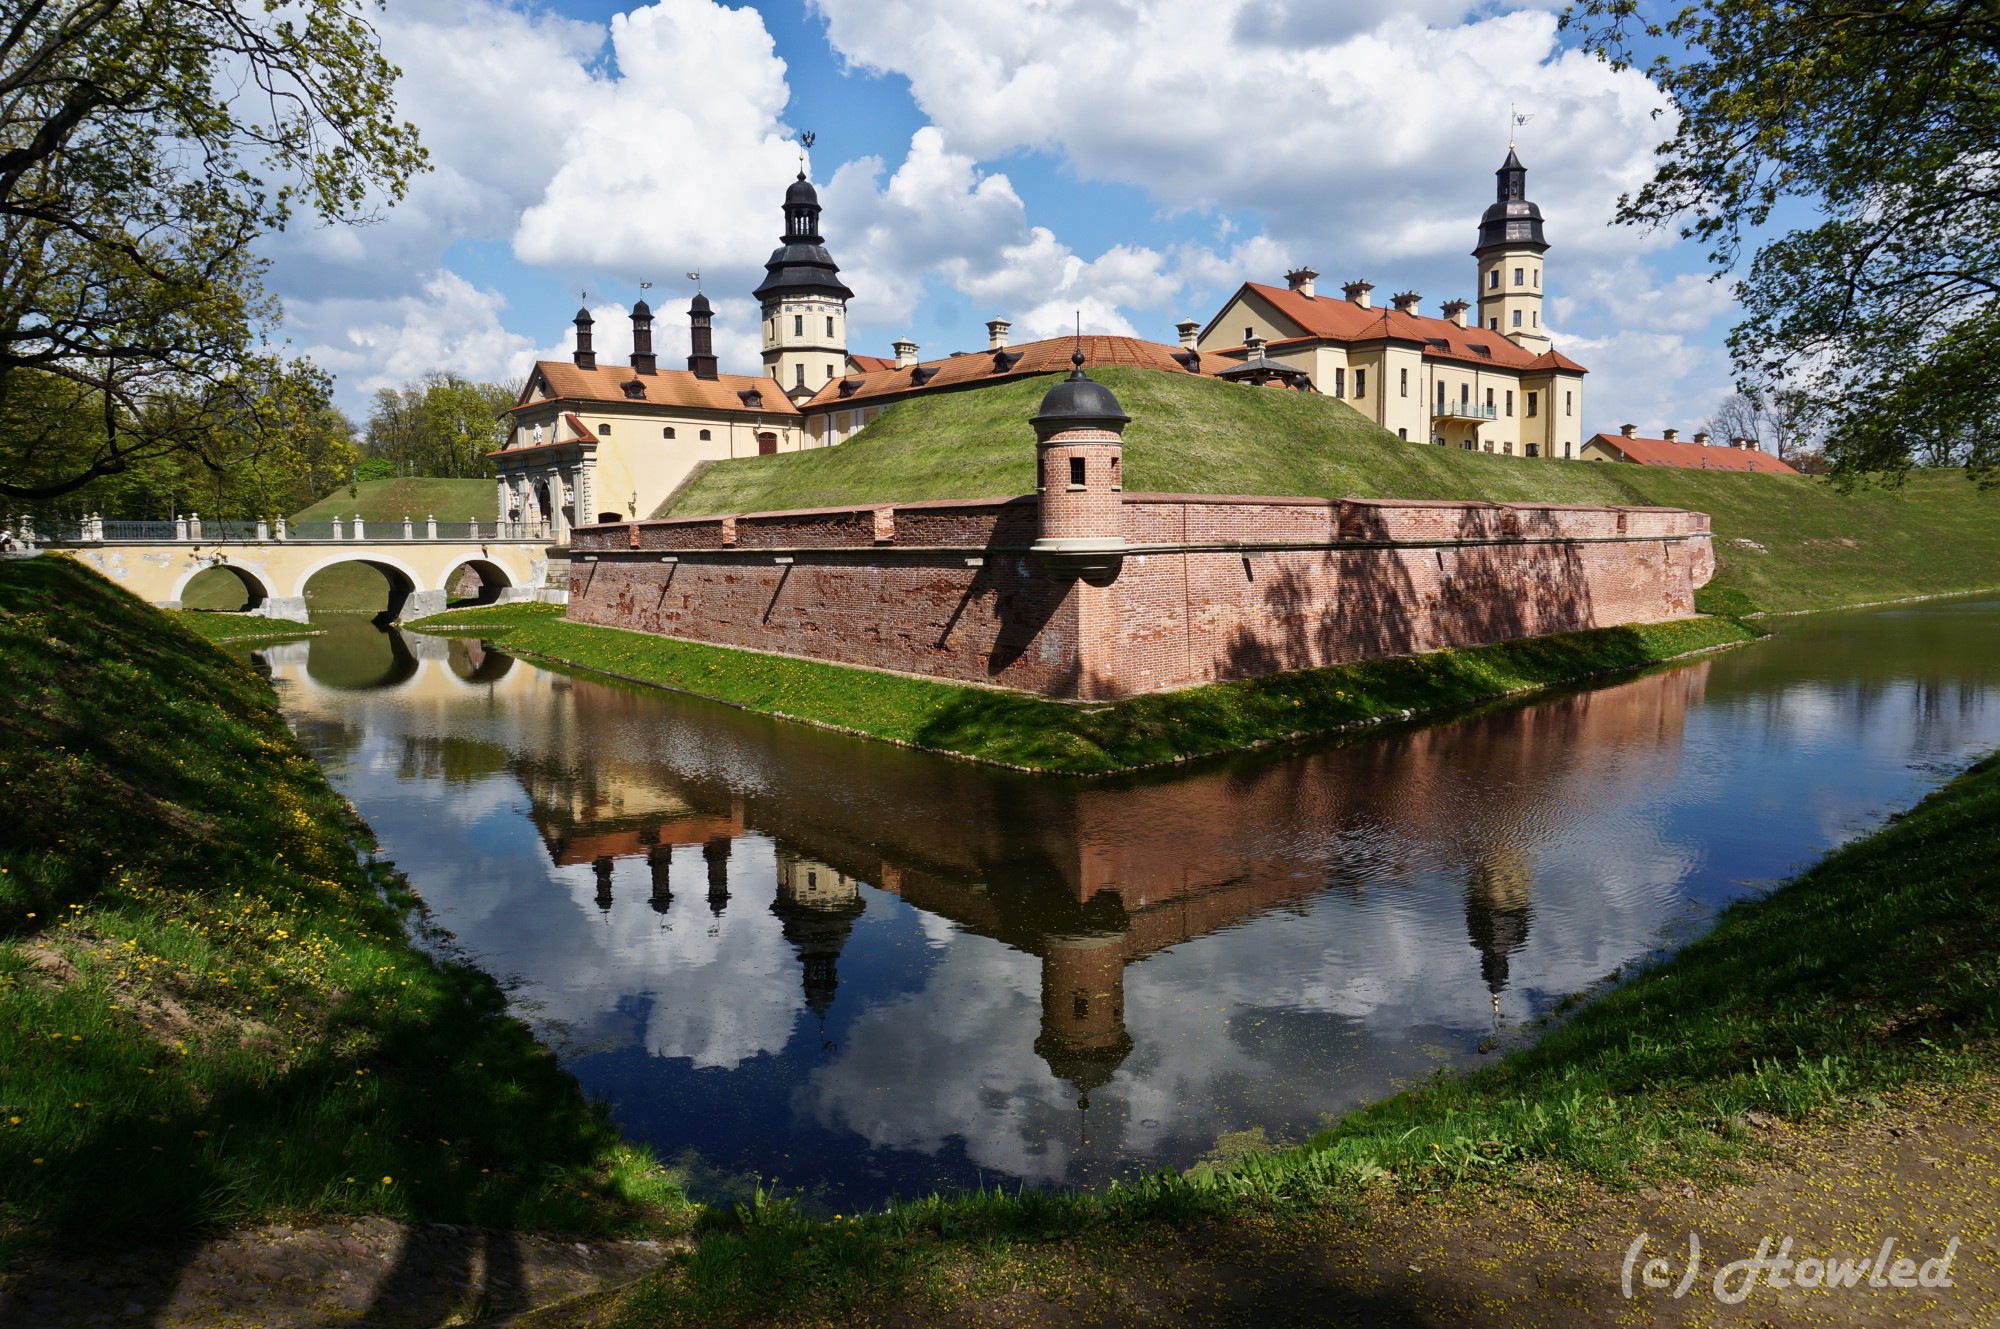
{"x":360,"y":532}
{"x":263,"y":529}
{"x":431,"y":526}
{"x":194,"y":526}
{"x":408,"y":532}
{"x":180,"y":527}
{"x":283,"y":532}
{"x":338,"y":530}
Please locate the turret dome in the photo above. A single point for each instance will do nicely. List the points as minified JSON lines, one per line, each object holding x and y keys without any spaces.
{"x":1078,"y":402}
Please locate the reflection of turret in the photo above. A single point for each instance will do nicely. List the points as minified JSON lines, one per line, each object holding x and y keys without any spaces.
{"x":716,"y":854}
{"x":1498,"y":906}
{"x":602,"y":866}
{"x":1083,"y":1036}
{"x":660,"y":859}
{"x":818,"y":906}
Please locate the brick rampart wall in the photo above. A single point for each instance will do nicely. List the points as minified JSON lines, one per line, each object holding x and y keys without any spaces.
{"x":1214,"y":587}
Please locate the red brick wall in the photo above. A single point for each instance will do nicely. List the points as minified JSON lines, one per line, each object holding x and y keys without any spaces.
{"x":946,"y":589}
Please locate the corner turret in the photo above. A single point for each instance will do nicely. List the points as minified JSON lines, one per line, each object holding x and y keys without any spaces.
{"x":1080,"y":457}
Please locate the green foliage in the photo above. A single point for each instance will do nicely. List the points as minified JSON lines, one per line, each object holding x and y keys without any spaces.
{"x":1016,"y":730}
{"x":211,"y":1012}
{"x":439,"y":425}
{"x":1881,"y":316}
{"x":1789,"y":543}
{"x":144,"y":147}
{"x":393,"y":500}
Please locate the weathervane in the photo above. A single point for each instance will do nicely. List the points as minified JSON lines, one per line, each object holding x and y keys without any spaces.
{"x":1515,"y":119}
{"x":806,"y":140}
{"x":695,"y":277}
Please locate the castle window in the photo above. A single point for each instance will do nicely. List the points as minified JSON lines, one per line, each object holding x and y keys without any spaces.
{"x":1493,"y":323}
{"x":1517,"y":318}
{"x":1493,"y":280}
{"x":1248,"y":333}
{"x":1076,"y":472}
{"x":1115,"y":482}
{"x":1532,"y":450}
{"x":1340,"y":382}
{"x":1510,"y":403}
{"x":829,"y":325}
{"x":1403,"y":434}
{"x":1534,"y":318}
{"x":667,"y":432}
{"x":1405,"y":381}
{"x":1520,"y":277}
{"x":603,"y":430}
{"x":1489,"y":399}
{"x":1533,"y":402}
{"x":1566,"y":409}
{"x":1360,"y":384}
{"x":1538,"y":279}
{"x":829,"y":373}
{"x":704,"y":436}
{"x":799,"y":372}
{"x":1566,"y":446}
{"x":798,"y":325}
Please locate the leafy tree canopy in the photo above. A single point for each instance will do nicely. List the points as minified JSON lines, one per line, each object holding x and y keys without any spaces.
{"x":439,"y":425}
{"x":1882,"y":119}
{"x":144,"y":144}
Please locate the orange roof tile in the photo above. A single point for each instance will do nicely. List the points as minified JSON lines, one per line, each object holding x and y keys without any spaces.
{"x":669,"y":387}
{"x":1327,"y":319}
{"x":975,"y":368}
{"x":869,"y":363}
{"x":1692,"y":456}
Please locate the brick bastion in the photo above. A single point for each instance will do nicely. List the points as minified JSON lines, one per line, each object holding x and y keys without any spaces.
{"x":1085,"y":592}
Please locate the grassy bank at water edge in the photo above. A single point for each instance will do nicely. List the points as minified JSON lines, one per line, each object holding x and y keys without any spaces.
{"x":1876,"y":973}
{"x":1010,"y":729}
{"x":1782,"y":543}
{"x":210,"y":1012}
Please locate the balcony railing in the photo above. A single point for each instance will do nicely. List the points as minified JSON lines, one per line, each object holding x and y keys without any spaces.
{"x":1463,"y":410}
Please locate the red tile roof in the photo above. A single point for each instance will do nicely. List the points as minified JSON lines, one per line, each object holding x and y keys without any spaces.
{"x":1327,"y":319}
{"x":669,"y":387}
{"x":869,"y":363}
{"x":1691,"y":456}
{"x":982,"y":367}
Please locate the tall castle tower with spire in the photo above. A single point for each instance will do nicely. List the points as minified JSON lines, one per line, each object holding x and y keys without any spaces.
{"x":1510,"y":260}
{"x":804,"y":302}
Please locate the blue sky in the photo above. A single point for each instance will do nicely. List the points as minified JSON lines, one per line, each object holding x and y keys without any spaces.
{"x":1130,"y":159}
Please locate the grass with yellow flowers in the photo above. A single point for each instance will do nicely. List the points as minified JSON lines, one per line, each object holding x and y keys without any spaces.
{"x":212,"y":1010}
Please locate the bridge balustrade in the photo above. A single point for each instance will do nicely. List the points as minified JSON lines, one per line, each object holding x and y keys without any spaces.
{"x":96,"y":530}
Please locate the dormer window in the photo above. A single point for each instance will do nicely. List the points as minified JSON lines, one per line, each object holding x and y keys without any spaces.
{"x":921,"y":376}
{"x":751,"y":398}
{"x":634,"y":390}
{"x":849,"y":386}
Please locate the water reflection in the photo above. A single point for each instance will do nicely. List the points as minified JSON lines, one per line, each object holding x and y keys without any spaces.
{"x":885,"y":972}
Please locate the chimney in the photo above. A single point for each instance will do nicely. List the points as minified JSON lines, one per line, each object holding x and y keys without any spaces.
{"x":1357,"y":291}
{"x":642,"y":340}
{"x":1301,"y":280}
{"x":701,"y":339}
{"x":1254,"y":349}
{"x":906,"y":352}
{"x":1671,"y":435}
{"x":1189,"y":330}
{"x":1701,"y":439}
{"x":1454,"y":311}
{"x":1409,"y":302}
{"x":585,"y":357}
{"x":1629,"y":431}
{"x":1747,"y":444}
{"x":996,"y":333}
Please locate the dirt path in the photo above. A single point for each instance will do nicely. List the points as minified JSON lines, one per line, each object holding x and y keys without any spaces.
{"x":368,"y":1272}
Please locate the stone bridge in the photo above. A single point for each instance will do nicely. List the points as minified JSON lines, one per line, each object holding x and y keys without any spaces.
{"x":422,"y":561}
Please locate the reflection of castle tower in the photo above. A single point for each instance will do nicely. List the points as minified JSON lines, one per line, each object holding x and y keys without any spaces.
{"x":1083,"y":1036}
{"x":602,"y":867}
{"x":818,"y":907}
{"x":1498,"y":906}
{"x":716,"y":854}
{"x":660,"y":859}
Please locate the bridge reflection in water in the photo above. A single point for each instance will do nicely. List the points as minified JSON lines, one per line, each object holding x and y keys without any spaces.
{"x":862,"y":970}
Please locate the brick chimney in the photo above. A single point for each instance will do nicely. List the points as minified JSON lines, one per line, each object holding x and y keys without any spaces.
{"x":701,"y":339}
{"x":1357,"y":291}
{"x":996,"y":333}
{"x":643,"y":360}
{"x":1701,"y":439}
{"x":1409,"y":302}
{"x":585,"y":357}
{"x":906,"y":352}
{"x":1629,"y":431}
{"x":1301,"y":280}
{"x":1189,"y":331}
{"x":1454,"y":311}
{"x":1671,"y":435}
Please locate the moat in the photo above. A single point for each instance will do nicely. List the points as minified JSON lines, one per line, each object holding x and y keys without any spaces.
{"x":784,"y":954}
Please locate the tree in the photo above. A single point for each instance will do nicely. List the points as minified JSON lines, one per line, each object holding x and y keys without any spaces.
{"x":440,"y":425}
{"x":1881,"y":117}
{"x":144,"y":144}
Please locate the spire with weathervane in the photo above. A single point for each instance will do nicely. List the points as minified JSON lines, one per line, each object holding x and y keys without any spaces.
{"x":1509,"y":255}
{"x":804,"y":302}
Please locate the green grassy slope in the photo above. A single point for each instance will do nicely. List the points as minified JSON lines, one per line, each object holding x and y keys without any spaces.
{"x":1818,"y":547}
{"x":210,"y":1011}
{"x":393,"y":500}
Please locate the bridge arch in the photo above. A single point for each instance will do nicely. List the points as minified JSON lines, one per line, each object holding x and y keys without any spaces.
{"x":493,"y":576}
{"x":253,"y":585}
{"x":403,"y":580}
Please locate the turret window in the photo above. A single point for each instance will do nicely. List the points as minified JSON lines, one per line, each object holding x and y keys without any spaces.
{"x":1360,"y":384}
{"x":1566,"y":410}
{"x":1517,"y":318}
{"x":1493,"y":323}
{"x":1493,"y":280}
{"x":1405,"y":382}
{"x":799,"y":373}
{"x":1076,"y":472}
{"x":1538,"y":279}
{"x":1520,"y":276}
{"x":829,"y":322}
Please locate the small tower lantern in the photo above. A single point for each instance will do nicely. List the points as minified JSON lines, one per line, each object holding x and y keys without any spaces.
{"x":1080,"y":455}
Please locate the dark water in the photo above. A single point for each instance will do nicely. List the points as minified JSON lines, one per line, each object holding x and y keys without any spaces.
{"x":862,"y":971}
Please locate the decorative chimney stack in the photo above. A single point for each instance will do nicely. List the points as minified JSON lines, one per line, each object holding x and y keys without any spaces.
{"x":1189,"y":330}
{"x":701,"y":338}
{"x":906,"y":352}
{"x":1671,"y":435}
{"x":1079,"y":455}
{"x":996,"y":333}
{"x":1357,"y":291}
{"x":643,"y":361}
{"x":1629,"y":431}
{"x":1701,"y":439}
{"x":1409,"y":302}
{"x":585,"y":357}
{"x":1454,"y":311}
{"x":1301,"y":280}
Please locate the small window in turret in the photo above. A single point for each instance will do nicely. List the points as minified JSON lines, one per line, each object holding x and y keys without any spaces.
{"x":1076,"y":472}
{"x":829,"y":325}
{"x":1538,"y":279}
{"x":1493,"y":279}
{"x":798,"y":325}
{"x":1115,"y":483}
{"x":1520,"y":276}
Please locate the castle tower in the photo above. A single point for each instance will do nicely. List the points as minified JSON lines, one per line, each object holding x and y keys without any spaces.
{"x":585,"y":355}
{"x":701,"y":338}
{"x":1510,"y":261}
{"x":1080,"y":457}
{"x":818,"y":906}
{"x":804,"y":302}
{"x":643,"y":359}
{"x":1499,"y":906}
{"x":1083,"y":1037}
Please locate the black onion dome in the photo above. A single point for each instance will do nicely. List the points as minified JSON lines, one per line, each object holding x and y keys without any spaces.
{"x":1078,"y":402}
{"x":700,"y":304}
{"x":801,"y":265}
{"x":1511,"y":219}
{"x":583,"y":316}
{"x":801,"y":192}
{"x":642,"y":310}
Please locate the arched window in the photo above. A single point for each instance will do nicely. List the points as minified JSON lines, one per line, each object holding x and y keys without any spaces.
{"x":704,"y":436}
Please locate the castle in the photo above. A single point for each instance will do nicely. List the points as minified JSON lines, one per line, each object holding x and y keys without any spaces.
{"x":594,"y":443}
